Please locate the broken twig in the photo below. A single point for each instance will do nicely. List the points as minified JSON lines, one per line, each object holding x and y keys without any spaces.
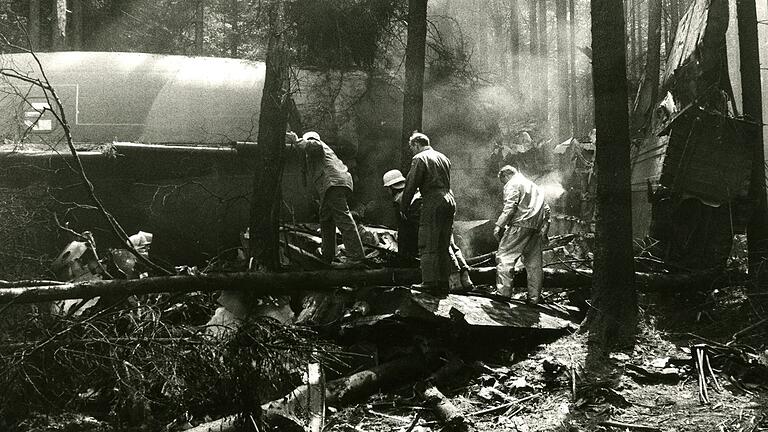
{"x":622,"y":425}
{"x":503,"y":406}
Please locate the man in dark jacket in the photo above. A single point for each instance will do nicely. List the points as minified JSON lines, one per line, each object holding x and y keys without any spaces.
{"x":333,"y":184}
{"x":408,"y":232}
{"x":430,"y":174}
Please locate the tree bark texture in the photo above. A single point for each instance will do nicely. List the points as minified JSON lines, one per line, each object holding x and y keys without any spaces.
{"x":544,"y":60}
{"x":257,"y":283}
{"x":533,"y":63}
{"x":447,"y":414}
{"x":751,"y":90}
{"x":632,"y":10}
{"x":413,"y":99}
{"x":199,"y":17}
{"x":653,"y":56}
{"x":674,"y":19}
{"x":266,"y":197}
{"x":498,"y":55}
{"x":514,"y":46}
{"x":59,"y":26}
{"x":260,"y":283}
{"x":612,"y":319}
{"x":234,"y":37}
{"x":77,"y":25}
{"x":574,"y":71}
{"x":33,"y":28}
{"x":563,"y":83}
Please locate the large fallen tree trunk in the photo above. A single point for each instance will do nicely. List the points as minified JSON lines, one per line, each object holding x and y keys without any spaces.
{"x":259,"y":283}
{"x":559,"y":278}
{"x":294,"y":282}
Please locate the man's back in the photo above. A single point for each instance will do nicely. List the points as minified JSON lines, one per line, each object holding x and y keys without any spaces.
{"x":530,"y":201}
{"x":325,"y":168}
{"x":437,"y":171}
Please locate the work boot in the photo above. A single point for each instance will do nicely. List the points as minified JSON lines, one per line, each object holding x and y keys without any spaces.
{"x":533,"y":300}
{"x":424,"y":287}
{"x":442,"y":289}
{"x":349,"y":264}
{"x":466,"y":281}
{"x":437,"y":289}
{"x":504,"y":291}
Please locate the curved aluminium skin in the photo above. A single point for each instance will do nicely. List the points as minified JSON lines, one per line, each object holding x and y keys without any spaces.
{"x":134,"y":97}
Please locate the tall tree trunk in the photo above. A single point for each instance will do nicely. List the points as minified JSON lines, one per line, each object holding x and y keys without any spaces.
{"x":563,"y":83}
{"x":498,"y":55}
{"x":653,"y":59}
{"x":749,"y":56}
{"x":514,"y":46}
{"x":34,"y":25}
{"x":77,"y":25}
{"x":612,"y":319}
{"x":199,"y":17}
{"x":234,"y":37}
{"x":266,"y":197}
{"x":632,"y":40}
{"x":574,"y":74}
{"x":59,"y":30}
{"x":533,"y":63}
{"x":413,"y":99}
{"x":674,"y":19}
{"x":544,"y":56}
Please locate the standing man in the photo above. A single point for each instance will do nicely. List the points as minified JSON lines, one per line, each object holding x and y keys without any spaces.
{"x":521,"y":230}
{"x":430,"y":173}
{"x":333,"y":184}
{"x":408,"y":232}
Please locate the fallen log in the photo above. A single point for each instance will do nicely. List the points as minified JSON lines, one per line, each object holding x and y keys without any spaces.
{"x":338,"y":392}
{"x":561,"y":278}
{"x":322,"y":280}
{"x":446,"y":412}
{"x":257,"y":283}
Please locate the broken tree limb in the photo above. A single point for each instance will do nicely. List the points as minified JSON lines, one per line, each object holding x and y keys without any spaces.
{"x":624,"y":426}
{"x":258,"y":283}
{"x":337,"y":392}
{"x":265,"y":283}
{"x":504,"y":406}
{"x":446,"y":412}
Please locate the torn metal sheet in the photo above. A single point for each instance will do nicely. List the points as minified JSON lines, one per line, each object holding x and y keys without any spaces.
{"x":404,"y":304}
{"x":488,"y":312}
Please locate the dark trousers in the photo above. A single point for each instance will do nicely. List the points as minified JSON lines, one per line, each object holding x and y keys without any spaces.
{"x":334,"y":212}
{"x":435,"y":229}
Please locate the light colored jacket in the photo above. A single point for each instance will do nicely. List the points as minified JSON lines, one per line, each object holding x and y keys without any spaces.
{"x":325,"y":169}
{"x":524,"y":204}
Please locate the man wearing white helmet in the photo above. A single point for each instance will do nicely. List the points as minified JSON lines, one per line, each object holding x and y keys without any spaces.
{"x":333,"y":183}
{"x":408,"y":232}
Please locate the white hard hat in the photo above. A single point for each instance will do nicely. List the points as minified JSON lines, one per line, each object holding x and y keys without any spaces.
{"x":393,"y":177}
{"x":311,"y":135}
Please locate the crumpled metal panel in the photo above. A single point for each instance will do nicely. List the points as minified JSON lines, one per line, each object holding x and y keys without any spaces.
{"x":476,"y":311}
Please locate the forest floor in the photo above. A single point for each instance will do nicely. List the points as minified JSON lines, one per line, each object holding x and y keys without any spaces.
{"x":652,"y":386}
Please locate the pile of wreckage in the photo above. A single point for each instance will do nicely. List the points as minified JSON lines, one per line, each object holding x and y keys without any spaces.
{"x":398,"y":338}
